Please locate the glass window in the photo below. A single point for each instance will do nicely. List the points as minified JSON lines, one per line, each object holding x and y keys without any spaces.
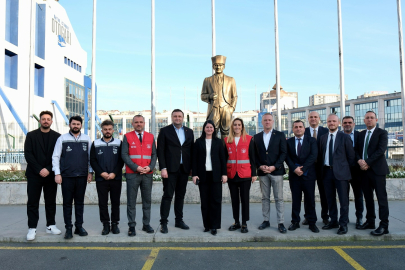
{"x":360,"y":110}
{"x":39,"y":80}
{"x":40,"y":30}
{"x":392,"y":115}
{"x":12,"y":7}
{"x":10,"y":69}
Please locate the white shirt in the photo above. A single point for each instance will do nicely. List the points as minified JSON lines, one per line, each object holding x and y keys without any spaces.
{"x":237,"y":140}
{"x":296,"y":143}
{"x":327,"y":147}
{"x":365,"y":138}
{"x":208,"y":164}
{"x":266,"y":138}
{"x":311,"y":129}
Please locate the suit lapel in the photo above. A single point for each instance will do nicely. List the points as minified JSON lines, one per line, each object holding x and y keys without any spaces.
{"x":174,"y":133}
{"x":292,"y":146}
{"x":337,"y":141}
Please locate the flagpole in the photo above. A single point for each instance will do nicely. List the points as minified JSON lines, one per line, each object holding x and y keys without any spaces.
{"x":213,"y":27}
{"x":277,"y":67}
{"x":341,"y":65}
{"x":401,"y":64}
{"x":93,"y":75}
{"x":153,"y":97}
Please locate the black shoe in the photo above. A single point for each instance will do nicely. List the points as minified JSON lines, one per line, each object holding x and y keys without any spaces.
{"x":342,"y":230}
{"x":244,"y":229}
{"x":330,"y":226}
{"x":131,"y":231}
{"x":181,"y":225}
{"x":163,"y":228}
{"x":359,"y":223}
{"x":380,"y":231}
{"x":214,"y":231}
{"x":313,"y":228}
{"x":206,"y":230}
{"x":367,"y":225}
{"x":114,"y":228}
{"x":281,"y":228}
{"x":106,"y":229}
{"x":304,"y":222}
{"x":234,"y":226}
{"x":81,"y":231}
{"x":148,"y":229}
{"x":68,"y":233}
{"x":294,"y":226}
{"x":325,"y":221}
{"x":264,"y":225}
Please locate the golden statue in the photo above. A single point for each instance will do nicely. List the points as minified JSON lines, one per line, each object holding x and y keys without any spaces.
{"x":219,"y":91}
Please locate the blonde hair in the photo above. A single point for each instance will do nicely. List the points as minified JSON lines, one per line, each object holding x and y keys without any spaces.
{"x":231,"y":135}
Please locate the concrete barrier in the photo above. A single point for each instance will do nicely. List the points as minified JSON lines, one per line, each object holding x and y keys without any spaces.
{"x":16,"y":192}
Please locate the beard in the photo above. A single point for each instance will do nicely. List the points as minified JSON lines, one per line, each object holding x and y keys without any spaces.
{"x":45,"y":127}
{"x":107,"y":136}
{"x":75,"y":130}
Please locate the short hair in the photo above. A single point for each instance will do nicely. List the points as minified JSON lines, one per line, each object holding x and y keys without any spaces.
{"x":333,"y":114}
{"x":267,"y":113}
{"x":177,"y":110}
{"x":348,"y":117}
{"x":77,"y":118}
{"x":299,"y":121}
{"x":138,"y":115}
{"x":107,"y":123}
{"x":45,"y":112}
{"x":372,"y":112}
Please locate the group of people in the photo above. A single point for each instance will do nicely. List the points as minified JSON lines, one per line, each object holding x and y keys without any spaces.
{"x":331,"y":158}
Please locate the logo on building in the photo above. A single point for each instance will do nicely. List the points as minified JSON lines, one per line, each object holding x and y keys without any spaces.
{"x":61,"y":41}
{"x":60,"y":29}
{"x":68,"y":149}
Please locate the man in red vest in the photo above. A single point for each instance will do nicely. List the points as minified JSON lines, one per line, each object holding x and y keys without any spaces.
{"x":139,"y":155}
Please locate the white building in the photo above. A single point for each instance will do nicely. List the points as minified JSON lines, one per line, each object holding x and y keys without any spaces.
{"x":42,"y":67}
{"x":373,"y":94}
{"x":324,"y":98}
{"x":288,"y":100}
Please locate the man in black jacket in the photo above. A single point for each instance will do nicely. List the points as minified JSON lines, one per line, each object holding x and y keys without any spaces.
{"x":271,"y":151}
{"x":38,"y":149}
{"x":174,"y":151}
{"x":301,"y":156}
{"x":370,"y":151}
{"x":106,"y":161}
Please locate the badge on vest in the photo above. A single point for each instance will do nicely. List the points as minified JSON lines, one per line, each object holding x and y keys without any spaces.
{"x":68,"y":149}
{"x":100,"y":152}
{"x":115,"y":150}
{"x":243,"y":150}
{"x":229,"y":150}
{"x":148,"y":146}
{"x":133,"y":145}
{"x":84,"y":146}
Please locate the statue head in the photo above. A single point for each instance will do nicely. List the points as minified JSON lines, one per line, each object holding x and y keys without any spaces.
{"x":218,"y":63}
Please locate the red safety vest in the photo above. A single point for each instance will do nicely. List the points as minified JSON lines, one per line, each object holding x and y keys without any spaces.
{"x":139,"y":153}
{"x":238,"y":159}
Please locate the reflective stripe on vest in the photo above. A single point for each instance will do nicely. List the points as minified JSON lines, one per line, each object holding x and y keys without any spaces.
{"x":239,"y":161}
{"x":139,"y":156}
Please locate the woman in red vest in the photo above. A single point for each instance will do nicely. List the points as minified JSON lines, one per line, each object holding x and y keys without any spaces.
{"x":241,"y":171}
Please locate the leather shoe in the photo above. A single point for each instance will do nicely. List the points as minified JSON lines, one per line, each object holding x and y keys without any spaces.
{"x":330,"y":226}
{"x":380,"y":231}
{"x":163,"y":228}
{"x":131,"y":231}
{"x":114,"y":228}
{"x":148,"y":229}
{"x":367,"y":225}
{"x":342,"y":230}
{"x":68,"y":233}
{"x":234,"y":226}
{"x":106,"y":229}
{"x":281,"y":228}
{"x":206,"y":230}
{"x":359,"y":222}
{"x":294,"y":226}
{"x":181,"y":225}
{"x":214,"y":231}
{"x":313,"y":228}
{"x":244,"y":229}
{"x":81,"y":231}
{"x":264,"y":225}
{"x":325,"y":221}
{"x":304,"y":222}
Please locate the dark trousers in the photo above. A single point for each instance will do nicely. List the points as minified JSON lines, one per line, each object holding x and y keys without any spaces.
{"x":240,"y":193}
{"x":114,"y":188}
{"x":211,"y":199}
{"x":324,"y":200}
{"x":332,"y":185}
{"x":176,"y":183}
{"x":73,"y":189}
{"x":357,"y":192}
{"x":308,"y":188}
{"x":35,"y":186}
{"x":370,"y":183}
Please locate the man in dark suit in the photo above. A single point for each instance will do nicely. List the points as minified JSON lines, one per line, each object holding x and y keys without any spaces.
{"x":174,"y":151}
{"x":336,"y":154}
{"x":271,"y":151}
{"x":316,"y":131}
{"x":38,"y":149}
{"x":348,"y":128}
{"x":370,"y":151}
{"x":302,"y":153}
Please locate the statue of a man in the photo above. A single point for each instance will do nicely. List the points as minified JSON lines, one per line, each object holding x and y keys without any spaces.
{"x":219,"y":91}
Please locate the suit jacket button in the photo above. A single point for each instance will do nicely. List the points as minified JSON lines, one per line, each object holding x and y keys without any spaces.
{"x":267,"y":153}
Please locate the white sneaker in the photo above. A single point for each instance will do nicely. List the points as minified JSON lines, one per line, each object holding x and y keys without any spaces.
{"x":53,"y":230}
{"x":31,"y":234}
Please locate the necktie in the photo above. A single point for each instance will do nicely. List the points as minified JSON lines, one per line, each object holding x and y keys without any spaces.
{"x":314,"y":135}
{"x":140,"y":137}
{"x":299,"y":147}
{"x":331,"y":150}
{"x":366,"y":146}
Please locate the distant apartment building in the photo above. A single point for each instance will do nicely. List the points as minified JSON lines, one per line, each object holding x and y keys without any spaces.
{"x":324,"y":98}
{"x":373,"y":94}
{"x":288,"y":100}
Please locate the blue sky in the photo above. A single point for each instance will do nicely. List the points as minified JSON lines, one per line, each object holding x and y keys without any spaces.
{"x":308,"y":35}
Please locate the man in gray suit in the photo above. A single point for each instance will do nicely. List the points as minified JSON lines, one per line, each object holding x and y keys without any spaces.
{"x":139,"y":155}
{"x":337,"y":155}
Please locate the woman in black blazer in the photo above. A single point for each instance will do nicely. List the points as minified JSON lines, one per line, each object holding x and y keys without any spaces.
{"x":209,"y":172}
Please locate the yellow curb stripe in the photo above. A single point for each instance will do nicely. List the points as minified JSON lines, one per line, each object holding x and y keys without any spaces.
{"x":349,"y":259}
{"x":151,"y":259}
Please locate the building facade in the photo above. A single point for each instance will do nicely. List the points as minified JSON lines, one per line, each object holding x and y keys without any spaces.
{"x":268,"y":100}
{"x":324,"y":98}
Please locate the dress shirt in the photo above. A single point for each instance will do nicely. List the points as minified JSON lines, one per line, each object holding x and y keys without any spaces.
{"x":352,"y":137}
{"x":182,"y":138}
{"x":327,"y":146}
{"x":311,"y":129}
{"x":296,"y":143}
{"x":365,"y":138}
{"x":266,"y":138}
{"x":208,"y":163}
